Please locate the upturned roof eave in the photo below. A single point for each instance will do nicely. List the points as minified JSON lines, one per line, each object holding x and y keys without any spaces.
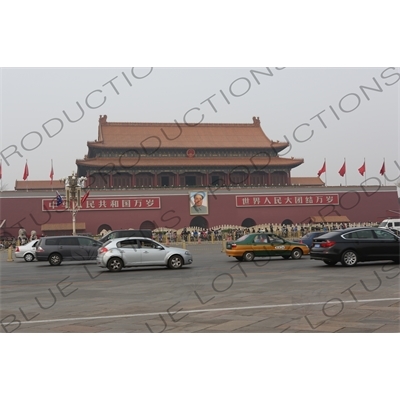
{"x":276,"y":146}
{"x":194,"y":162}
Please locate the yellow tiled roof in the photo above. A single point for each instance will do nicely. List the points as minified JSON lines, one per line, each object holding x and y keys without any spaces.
{"x":307,"y":181}
{"x":180,"y":135}
{"x":39,"y":185}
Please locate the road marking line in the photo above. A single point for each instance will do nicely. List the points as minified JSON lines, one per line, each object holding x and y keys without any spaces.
{"x":202,"y":311}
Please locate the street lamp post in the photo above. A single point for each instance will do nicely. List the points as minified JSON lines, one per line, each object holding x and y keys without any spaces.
{"x":73,"y":189}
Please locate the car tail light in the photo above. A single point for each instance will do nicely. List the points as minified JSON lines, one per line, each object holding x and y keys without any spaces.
{"x":17,"y":249}
{"x":233,"y":245}
{"x":103,"y":250}
{"x":328,"y":243}
{"x":39,"y":250}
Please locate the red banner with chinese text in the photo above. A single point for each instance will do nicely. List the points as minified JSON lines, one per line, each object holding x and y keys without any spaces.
{"x":287,"y":200}
{"x":108,"y":203}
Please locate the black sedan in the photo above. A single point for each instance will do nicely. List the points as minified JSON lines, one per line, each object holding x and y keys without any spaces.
{"x":353,"y":245}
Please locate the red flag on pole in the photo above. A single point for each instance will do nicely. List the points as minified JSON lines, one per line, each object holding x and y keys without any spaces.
{"x":383,"y":169}
{"x":84,"y":198}
{"x":51,"y":172}
{"x":322,"y":170}
{"x":342,"y":170}
{"x":361,"y":170}
{"x":26,"y":171}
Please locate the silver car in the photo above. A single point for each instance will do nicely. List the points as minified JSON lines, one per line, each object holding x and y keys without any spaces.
{"x":139,"y":251}
{"x":27,"y":251}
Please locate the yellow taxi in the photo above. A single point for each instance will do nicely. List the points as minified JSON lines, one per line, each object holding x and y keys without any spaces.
{"x":265,"y":245}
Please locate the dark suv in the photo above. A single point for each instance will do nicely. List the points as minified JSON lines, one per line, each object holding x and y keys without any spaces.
{"x":127,"y":233}
{"x":56,"y":249}
{"x":353,"y":245}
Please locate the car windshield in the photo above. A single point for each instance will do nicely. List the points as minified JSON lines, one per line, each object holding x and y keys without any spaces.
{"x":307,"y":235}
{"x":383,"y":234}
{"x":241,"y":239}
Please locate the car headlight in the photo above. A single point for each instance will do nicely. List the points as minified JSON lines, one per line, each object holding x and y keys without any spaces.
{"x":187,"y":253}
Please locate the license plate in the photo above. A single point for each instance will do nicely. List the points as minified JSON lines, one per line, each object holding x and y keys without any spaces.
{"x":316,"y":245}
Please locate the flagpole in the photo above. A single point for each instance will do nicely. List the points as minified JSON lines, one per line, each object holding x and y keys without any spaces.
{"x":365,"y":166}
{"x":326,"y":174}
{"x":384,"y":175}
{"x":51,"y":175}
{"x":27,"y":183}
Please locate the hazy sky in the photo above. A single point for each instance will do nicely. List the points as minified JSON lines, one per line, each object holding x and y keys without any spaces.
{"x":181,"y":33}
{"x":325,"y":113}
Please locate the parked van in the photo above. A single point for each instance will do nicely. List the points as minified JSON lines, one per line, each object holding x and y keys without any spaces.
{"x":127,"y":233}
{"x":56,"y":249}
{"x":393,"y":224}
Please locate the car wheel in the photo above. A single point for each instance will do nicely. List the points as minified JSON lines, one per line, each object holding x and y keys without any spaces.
{"x":330,"y":262}
{"x":296,"y":254}
{"x":239,"y":258}
{"x":29,"y":257}
{"x":349,"y":258}
{"x":248,"y":256}
{"x":115,"y":264}
{"x":55,"y":259}
{"x":175,"y":262}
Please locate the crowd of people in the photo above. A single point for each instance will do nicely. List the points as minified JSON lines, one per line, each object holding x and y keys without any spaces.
{"x":22,"y":239}
{"x":191,"y":234}
{"x":287,"y":231}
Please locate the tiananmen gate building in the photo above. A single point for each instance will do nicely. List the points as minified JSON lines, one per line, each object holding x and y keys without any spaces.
{"x":149,"y":175}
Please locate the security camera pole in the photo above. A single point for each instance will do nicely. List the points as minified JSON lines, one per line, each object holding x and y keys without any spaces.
{"x":73,"y":188}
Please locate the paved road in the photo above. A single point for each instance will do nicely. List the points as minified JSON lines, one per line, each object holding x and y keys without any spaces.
{"x":215,"y":294}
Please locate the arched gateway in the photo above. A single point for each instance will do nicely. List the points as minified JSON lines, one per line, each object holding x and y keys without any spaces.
{"x":199,"y":222}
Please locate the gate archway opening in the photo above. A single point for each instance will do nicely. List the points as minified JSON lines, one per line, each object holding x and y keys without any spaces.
{"x":105,"y":227}
{"x":248,"y":222}
{"x":148,"y":225}
{"x":200,"y":222}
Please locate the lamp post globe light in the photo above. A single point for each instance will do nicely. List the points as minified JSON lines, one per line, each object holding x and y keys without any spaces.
{"x":73,"y":190}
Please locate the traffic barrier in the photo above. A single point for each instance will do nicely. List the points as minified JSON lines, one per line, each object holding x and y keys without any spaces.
{"x":9,"y":254}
